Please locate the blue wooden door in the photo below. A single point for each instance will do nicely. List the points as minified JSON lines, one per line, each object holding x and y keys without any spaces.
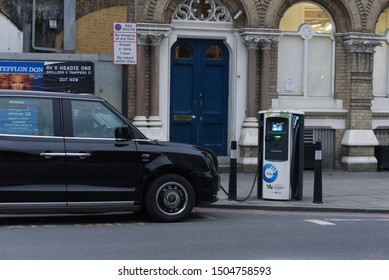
{"x":199,"y":93}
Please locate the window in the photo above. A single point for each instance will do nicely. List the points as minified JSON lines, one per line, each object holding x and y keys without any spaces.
{"x":306,"y":53}
{"x":214,"y":52}
{"x":319,"y":65}
{"x":93,"y":120}
{"x":182,"y":51}
{"x":380,"y":73}
{"x":26,"y":116}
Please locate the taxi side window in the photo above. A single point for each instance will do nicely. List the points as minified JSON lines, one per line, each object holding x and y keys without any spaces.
{"x":26,"y":116}
{"x":93,"y":120}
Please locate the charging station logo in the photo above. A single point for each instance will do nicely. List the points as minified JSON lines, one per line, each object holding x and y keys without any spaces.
{"x":270,"y":173}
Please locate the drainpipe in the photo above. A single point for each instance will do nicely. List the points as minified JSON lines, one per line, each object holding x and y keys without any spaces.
{"x":69,"y":28}
{"x":33,"y":31}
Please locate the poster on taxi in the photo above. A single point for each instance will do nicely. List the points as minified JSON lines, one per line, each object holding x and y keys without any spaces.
{"x":21,"y":120}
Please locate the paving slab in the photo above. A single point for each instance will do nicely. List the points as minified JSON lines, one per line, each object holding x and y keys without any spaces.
{"x":341,"y":191}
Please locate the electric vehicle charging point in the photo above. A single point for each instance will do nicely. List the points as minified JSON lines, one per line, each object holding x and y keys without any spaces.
{"x":280,"y":155}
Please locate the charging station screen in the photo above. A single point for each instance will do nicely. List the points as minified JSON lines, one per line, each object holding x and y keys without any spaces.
{"x":278,"y":127}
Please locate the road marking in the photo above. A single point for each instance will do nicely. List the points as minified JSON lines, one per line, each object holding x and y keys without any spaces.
{"x":358,"y":220}
{"x":206,"y":217}
{"x":346,"y":220}
{"x":321,"y":222}
{"x":329,"y":222}
{"x":83,"y":225}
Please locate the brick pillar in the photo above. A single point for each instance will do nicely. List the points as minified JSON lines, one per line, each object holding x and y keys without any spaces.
{"x":359,"y":138}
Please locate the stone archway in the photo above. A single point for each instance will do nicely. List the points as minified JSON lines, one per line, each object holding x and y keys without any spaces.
{"x":346,"y":18}
{"x":162,"y":11}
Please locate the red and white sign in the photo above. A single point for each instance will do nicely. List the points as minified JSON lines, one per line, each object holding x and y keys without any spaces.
{"x":125,"y":43}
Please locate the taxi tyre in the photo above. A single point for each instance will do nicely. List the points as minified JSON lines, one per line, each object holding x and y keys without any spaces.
{"x":170,"y":198}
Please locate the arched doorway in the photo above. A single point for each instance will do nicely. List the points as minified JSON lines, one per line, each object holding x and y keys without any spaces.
{"x":199,"y":93}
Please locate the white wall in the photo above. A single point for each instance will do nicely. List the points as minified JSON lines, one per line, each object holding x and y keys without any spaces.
{"x":11,"y":38}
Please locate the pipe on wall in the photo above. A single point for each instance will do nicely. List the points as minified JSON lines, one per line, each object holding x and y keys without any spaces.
{"x":69,"y":30}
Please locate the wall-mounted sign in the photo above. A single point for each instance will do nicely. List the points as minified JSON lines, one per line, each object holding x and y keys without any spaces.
{"x":289,"y":84}
{"x":125,"y":43}
{"x":76,"y":77}
{"x":71,"y":76}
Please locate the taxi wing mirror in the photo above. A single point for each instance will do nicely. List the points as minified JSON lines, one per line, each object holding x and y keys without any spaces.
{"x":123,"y":133}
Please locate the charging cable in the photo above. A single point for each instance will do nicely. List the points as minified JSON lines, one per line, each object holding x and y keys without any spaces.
{"x":248,"y":196}
{"x":252,"y":187}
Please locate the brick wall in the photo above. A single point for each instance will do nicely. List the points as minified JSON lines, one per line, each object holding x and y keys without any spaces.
{"x":353,"y":82}
{"x":85,"y":7}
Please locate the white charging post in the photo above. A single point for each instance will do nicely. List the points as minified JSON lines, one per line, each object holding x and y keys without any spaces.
{"x":281,"y":155}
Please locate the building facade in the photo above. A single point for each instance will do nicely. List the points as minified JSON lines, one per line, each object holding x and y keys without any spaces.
{"x":206,"y":67}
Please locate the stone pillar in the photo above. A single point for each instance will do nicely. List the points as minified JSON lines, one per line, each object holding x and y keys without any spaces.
{"x":248,"y":141}
{"x":254,"y":39}
{"x":264,"y":45}
{"x":150,"y":34}
{"x":155,"y":124}
{"x":359,"y":138}
{"x":140,"y":120}
{"x":251,"y":78}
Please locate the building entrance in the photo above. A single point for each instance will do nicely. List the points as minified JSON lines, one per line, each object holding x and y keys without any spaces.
{"x":199,"y":93}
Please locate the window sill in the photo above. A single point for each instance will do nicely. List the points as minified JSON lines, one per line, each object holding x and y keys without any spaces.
{"x":310,"y":105}
{"x":380,"y":106}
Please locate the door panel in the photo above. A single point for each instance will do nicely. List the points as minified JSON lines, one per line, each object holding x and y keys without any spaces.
{"x":182,"y":104}
{"x":99,"y":168}
{"x":32,"y":152}
{"x":214,"y":125}
{"x":106,"y":173}
{"x":199,"y":93}
{"x":26,"y":175}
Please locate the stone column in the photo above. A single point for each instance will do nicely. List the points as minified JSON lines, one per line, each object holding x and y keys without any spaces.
{"x":265,"y":43}
{"x":359,"y":138}
{"x":152,"y":35}
{"x":248,"y":141}
{"x":251,"y":111}
{"x":140,"y":120}
{"x":155,"y":124}
{"x":255,"y":39}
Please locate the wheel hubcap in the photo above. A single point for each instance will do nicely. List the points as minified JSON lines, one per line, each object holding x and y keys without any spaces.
{"x":172,"y":198}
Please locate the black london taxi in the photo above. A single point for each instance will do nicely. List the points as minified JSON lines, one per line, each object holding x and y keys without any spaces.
{"x":74,"y":153}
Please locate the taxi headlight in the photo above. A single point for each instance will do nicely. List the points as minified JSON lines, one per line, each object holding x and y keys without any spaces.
{"x":211,"y":160}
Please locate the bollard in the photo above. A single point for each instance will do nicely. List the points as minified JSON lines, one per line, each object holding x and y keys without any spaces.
{"x":317,"y":185}
{"x":232,"y":178}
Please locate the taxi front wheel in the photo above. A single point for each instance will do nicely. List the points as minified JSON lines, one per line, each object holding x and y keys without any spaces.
{"x":170,"y":198}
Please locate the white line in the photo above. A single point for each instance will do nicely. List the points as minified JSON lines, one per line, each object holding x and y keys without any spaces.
{"x":345,"y":220}
{"x":321,"y":222}
{"x":358,"y":220}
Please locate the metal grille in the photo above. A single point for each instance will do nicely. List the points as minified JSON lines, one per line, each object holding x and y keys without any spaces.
{"x":326,"y":137}
{"x":382,"y":136}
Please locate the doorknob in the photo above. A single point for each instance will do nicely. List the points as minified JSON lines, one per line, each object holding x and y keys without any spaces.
{"x":200,"y":104}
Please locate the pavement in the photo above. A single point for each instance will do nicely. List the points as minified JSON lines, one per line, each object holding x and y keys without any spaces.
{"x":341,"y":191}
